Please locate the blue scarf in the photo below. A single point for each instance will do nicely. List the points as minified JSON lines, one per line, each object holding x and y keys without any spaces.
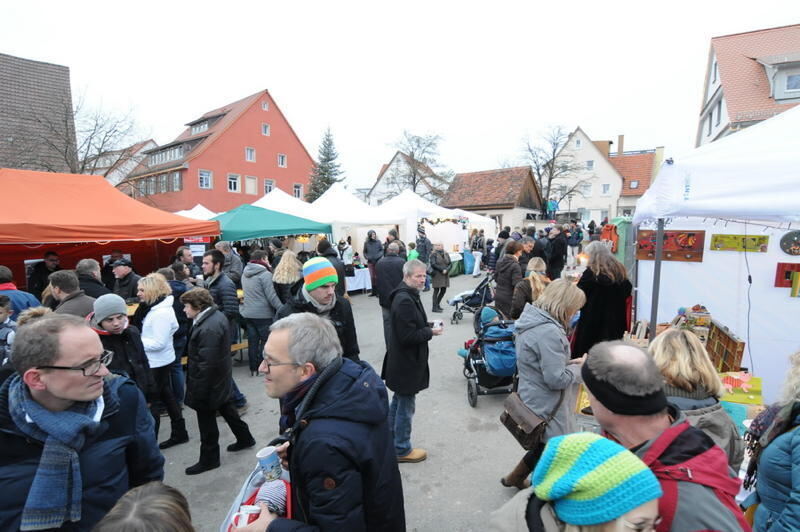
{"x":55,"y":495}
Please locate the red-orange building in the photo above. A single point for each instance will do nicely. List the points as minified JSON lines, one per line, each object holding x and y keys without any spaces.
{"x":229,"y":156}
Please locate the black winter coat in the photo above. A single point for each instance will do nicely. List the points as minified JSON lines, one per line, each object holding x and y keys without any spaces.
{"x":39,"y":279}
{"x":178,"y":289}
{"x":208,"y":373}
{"x":342,"y":458}
{"x":405,"y":366}
{"x":287,"y":291}
{"x":402,"y":253}
{"x":92,"y":287}
{"x":122,"y":454}
{"x":373,"y":250}
{"x":424,"y":248}
{"x":507,"y":275}
{"x":130,"y":358}
{"x":341,"y":316}
{"x":333,"y":256}
{"x":603,"y":316}
{"x":127,"y":287}
{"x":224,"y":293}
{"x":389,"y":273}
{"x":558,"y":252}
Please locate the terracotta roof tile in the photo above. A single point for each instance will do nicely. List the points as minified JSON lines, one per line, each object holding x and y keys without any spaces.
{"x":634,"y":167}
{"x":489,"y":187}
{"x":743,"y":78}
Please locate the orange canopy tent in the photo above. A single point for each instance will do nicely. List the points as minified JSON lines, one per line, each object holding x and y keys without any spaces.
{"x":84,"y":216}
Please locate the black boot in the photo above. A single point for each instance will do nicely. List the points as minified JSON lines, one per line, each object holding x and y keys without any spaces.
{"x":177,"y":435}
{"x":200,"y":467}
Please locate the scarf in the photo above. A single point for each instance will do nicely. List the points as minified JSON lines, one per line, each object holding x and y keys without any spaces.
{"x":768,"y":425}
{"x":322,"y":310}
{"x":8,"y":286}
{"x":55,"y":495}
{"x":142,"y":310}
{"x":267,"y":265}
{"x":292,"y":400}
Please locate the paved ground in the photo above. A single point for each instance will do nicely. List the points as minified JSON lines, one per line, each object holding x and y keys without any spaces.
{"x":468,"y":450}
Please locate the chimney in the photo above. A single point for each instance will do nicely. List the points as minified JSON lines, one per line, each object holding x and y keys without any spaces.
{"x":620,"y":144}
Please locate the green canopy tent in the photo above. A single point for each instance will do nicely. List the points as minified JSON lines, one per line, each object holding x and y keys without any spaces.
{"x":247,"y":222}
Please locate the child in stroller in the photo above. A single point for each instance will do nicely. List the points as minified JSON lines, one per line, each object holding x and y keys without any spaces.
{"x":490,"y":361}
{"x":472,"y":300}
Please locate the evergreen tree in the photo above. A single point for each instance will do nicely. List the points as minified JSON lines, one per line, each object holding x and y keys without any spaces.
{"x":326,"y":171}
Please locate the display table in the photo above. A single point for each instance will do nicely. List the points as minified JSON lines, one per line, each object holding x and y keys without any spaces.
{"x":361,"y":281}
{"x":456,"y":264}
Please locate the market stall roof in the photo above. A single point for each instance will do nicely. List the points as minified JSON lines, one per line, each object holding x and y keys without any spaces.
{"x":279,"y":201}
{"x":47,"y":207}
{"x":749,"y":175}
{"x":198,"y":212}
{"x":340,"y":206}
{"x":247,"y":222}
{"x":407,"y":201}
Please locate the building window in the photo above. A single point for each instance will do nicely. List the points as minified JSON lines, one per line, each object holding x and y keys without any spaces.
{"x":281,"y":160}
{"x":577,"y":143}
{"x":250,"y":155}
{"x":719,"y":111}
{"x":151,"y":186}
{"x":604,"y":215}
{"x":177,"y":182}
{"x":163,"y":156}
{"x":714,"y":72}
{"x":250,"y":185}
{"x":199,"y":128}
{"x":605,"y":189}
{"x":265,"y":106}
{"x":162,"y":183}
{"x":269,"y":184}
{"x":635,"y":183}
{"x":265,"y":130}
{"x":586,"y":189}
{"x":562,"y":190}
{"x":298,"y":191}
{"x":233,"y":183}
{"x":793,"y":82}
{"x":590,"y":165}
{"x":206,"y":179}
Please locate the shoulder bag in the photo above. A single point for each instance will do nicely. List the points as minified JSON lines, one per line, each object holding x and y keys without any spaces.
{"x":526,"y":427}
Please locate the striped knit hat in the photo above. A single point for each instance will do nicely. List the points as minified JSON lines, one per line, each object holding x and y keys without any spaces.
{"x":317,"y":272}
{"x":592,"y":480}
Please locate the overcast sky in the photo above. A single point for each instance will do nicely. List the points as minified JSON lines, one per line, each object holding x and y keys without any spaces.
{"x":482,"y":75}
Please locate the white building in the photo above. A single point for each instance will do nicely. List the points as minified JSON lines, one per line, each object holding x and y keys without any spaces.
{"x":390,"y":181}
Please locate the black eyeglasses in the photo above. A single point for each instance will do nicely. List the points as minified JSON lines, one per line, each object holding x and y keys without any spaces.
{"x":271,"y":364}
{"x":89,"y":368}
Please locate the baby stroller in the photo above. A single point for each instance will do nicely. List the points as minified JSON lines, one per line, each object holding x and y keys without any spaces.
{"x":472,"y":300}
{"x":490,"y":361}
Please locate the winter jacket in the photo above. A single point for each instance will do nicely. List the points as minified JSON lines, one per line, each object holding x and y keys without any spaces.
{"x":20,"y":300}
{"x":333,"y":256}
{"x":778,"y":484}
{"x":523,"y":294}
{"x":233,"y":268}
{"x":558,"y":254}
{"x":389,"y":274}
{"x":507,"y":275}
{"x":402,"y":251}
{"x":341,"y":315}
{"x":542,"y":356}
{"x":524,"y":512}
{"x":575,"y":237}
{"x":706,"y":413}
{"x":373,"y":250}
{"x":39,"y":279}
{"x":261,"y":301}
{"x":178,"y":289}
{"x":477,"y":243}
{"x":424,"y":248}
{"x":127,"y":287}
{"x":276,"y":258}
{"x":208,"y":371}
{"x":223,"y":291}
{"x":121,"y":455}
{"x":405,"y":366}
{"x":8,"y":329}
{"x":92,"y":287}
{"x":159,"y":325}
{"x":440,"y":264}
{"x":603,"y":315}
{"x":342,"y":459}
{"x":491,"y":260}
{"x":129,"y":357}
{"x":287,"y":291}
{"x":77,"y":304}
{"x":699,"y":505}
{"x":345,"y":254}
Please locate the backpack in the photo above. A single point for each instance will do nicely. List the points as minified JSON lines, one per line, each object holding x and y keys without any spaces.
{"x":5,"y":330}
{"x":709,"y":469}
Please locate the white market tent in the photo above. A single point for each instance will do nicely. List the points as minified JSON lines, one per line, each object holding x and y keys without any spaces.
{"x":744,"y":184}
{"x":198,"y":212}
{"x":279,"y":201}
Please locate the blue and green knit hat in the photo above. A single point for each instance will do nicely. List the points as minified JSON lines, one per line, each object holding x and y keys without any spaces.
{"x":592,"y":480}
{"x":317,"y":272}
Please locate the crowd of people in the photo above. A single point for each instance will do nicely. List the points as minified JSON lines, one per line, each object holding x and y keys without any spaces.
{"x":92,"y":358}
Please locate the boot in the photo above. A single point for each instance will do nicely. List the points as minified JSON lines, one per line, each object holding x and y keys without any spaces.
{"x":177,"y":435}
{"x":518,"y":478}
{"x":200,"y":467}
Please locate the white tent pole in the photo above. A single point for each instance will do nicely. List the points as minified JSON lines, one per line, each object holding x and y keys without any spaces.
{"x":656,"y":278}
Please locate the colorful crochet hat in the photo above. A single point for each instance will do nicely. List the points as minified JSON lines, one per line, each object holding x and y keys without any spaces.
{"x":591,"y":480}
{"x":317,"y":272}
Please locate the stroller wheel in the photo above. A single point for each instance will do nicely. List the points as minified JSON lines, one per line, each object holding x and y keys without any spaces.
{"x":472,"y":392}
{"x":459,"y":316}
{"x":454,"y":318}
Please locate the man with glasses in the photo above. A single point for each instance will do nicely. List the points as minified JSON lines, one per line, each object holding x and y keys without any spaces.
{"x":38,"y":279}
{"x":208,"y":379}
{"x":339,"y":450}
{"x":74,"y":437}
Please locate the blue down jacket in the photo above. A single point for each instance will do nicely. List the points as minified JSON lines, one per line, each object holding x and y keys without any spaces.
{"x":342,"y":458}
{"x":122,"y":455}
{"x":778,"y":486}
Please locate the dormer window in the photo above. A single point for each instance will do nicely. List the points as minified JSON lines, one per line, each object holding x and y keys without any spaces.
{"x":200,"y":127}
{"x":163,"y":156}
{"x":635,"y":184}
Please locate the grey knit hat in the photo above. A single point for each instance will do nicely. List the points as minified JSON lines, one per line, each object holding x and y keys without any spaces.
{"x":108,"y":305}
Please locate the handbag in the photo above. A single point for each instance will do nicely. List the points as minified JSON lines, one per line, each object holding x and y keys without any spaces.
{"x":526,"y":427}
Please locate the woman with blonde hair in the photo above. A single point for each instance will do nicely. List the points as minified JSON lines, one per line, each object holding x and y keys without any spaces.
{"x":158,"y":326}
{"x":288,"y":276}
{"x":546,"y":375}
{"x":607,"y":288}
{"x":530,"y":288}
{"x":152,"y":507}
{"x":692,"y":384}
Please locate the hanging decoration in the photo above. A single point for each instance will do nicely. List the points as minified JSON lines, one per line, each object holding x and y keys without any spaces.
{"x":436,"y":221}
{"x":790,"y":243}
{"x":756,"y":244}
{"x":684,"y":246}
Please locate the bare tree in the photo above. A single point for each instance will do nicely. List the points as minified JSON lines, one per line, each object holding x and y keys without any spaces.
{"x":421,"y":172}
{"x":555,"y":169}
